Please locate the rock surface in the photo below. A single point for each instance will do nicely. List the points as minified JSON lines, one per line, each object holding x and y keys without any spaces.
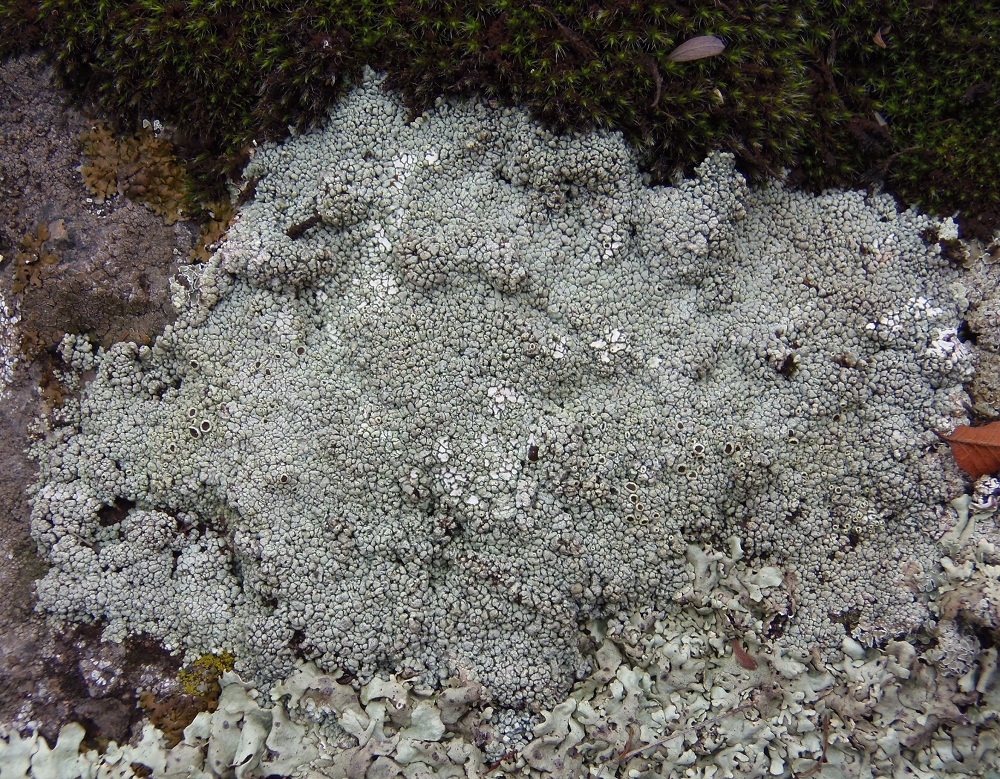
{"x":101,"y":271}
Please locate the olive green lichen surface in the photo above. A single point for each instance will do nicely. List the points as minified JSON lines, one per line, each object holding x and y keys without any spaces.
{"x":455,"y":386}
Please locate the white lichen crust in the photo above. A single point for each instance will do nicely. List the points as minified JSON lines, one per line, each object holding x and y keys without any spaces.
{"x":454,"y":387}
{"x":667,"y":697}
{"x":9,"y":341}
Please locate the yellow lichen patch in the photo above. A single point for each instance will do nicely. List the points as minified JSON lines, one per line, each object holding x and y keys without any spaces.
{"x":199,"y":692}
{"x":202,"y":676}
{"x":32,"y":256}
{"x":140,"y":166}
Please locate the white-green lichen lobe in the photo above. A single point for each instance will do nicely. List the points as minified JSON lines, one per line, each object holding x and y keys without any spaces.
{"x":452,"y":387}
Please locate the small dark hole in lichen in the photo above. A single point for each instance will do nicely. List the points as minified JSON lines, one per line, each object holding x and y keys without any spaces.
{"x":115,"y":513}
{"x":776,"y":629}
{"x":849,"y":619}
{"x":967,"y":334}
{"x":953,"y":250}
{"x":789,"y":366}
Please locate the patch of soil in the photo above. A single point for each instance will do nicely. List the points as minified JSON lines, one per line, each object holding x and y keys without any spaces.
{"x":106,"y":267}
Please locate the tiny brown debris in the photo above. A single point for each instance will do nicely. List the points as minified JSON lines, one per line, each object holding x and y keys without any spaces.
{"x":509,"y":757}
{"x":296,"y":231}
{"x":753,"y":703}
{"x":741,"y":655}
{"x":582,"y":47}
{"x":883,"y":30}
{"x":825,"y":725}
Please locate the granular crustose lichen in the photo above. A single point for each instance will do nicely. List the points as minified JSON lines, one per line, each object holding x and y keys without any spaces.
{"x":454,"y":386}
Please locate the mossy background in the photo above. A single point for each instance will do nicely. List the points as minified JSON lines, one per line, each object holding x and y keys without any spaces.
{"x":801,"y":85}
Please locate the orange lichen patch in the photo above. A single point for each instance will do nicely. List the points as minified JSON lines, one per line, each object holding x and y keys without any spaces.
{"x":214,"y":230}
{"x":32,"y":256}
{"x":31,"y":345}
{"x":173,"y":713}
{"x":140,"y":166}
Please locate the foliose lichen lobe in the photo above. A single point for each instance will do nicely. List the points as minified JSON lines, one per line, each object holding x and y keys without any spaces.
{"x":454,"y":386}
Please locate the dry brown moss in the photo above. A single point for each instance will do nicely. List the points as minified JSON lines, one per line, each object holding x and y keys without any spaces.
{"x":213,"y":230}
{"x":141,"y":167}
{"x":33,"y":255}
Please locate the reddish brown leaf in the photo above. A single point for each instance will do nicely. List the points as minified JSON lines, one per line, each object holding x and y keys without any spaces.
{"x":883,"y":30}
{"x":741,"y":655}
{"x":976,"y":449}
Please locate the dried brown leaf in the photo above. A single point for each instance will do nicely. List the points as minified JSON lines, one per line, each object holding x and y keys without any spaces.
{"x":878,"y":39}
{"x":742,"y":656}
{"x":976,"y":449}
{"x":697,"y":48}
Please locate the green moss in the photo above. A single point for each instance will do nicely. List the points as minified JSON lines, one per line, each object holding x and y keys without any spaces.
{"x":803,"y":85}
{"x":940,"y":91}
{"x":915,"y":110}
